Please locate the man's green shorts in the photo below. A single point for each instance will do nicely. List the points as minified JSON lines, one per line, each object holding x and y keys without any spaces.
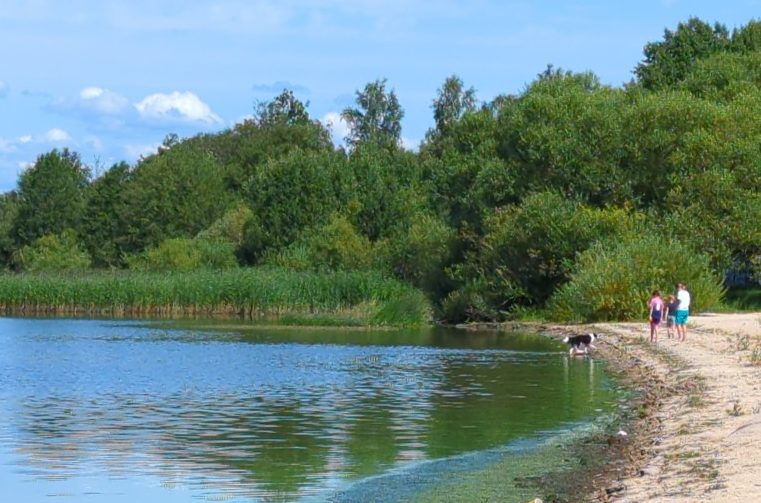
{"x":681,"y":317}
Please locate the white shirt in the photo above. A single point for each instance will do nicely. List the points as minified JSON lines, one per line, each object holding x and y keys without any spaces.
{"x":683,"y":296}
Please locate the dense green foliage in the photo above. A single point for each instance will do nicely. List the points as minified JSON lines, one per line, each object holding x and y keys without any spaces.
{"x":608,"y":284}
{"x":53,"y":252}
{"x":571,"y":197}
{"x":8,"y":214}
{"x":530,"y":250}
{"x":51,"y":196}
{"x":334,"y":246}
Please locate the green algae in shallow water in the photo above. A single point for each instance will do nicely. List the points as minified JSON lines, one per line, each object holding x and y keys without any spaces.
{"x":513,"y":479}
{"x":513,"y":473}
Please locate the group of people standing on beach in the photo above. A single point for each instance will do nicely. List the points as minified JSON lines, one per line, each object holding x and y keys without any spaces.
{"x":676,"y":312}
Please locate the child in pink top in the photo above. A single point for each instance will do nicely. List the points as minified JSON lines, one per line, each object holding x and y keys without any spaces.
{"x":656,"y":312}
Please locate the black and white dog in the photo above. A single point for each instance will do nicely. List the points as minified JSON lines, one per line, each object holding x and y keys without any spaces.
{"x":581,"y":343}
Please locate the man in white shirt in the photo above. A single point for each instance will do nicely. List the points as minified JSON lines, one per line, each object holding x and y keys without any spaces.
{"x":682,"y":311}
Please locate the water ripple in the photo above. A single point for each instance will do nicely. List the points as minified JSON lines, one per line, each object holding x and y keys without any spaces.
{"x":132,"y":411}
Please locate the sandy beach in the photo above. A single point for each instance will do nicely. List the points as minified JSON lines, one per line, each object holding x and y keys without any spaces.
{"x":699,"y":434}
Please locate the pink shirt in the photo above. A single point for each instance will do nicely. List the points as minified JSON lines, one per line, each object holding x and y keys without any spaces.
{"x":656,"y":304}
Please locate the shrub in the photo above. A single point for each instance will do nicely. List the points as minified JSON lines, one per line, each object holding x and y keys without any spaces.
{"x":230,"y":226}
{"x":615,"y":282}
{"x":420,"y":254}
{"x":53,"y":252}
{"x":182,"y":254}
{"x":338,"y":245}
{"x":333,"y":246}
{"x":467,"y":303}
{"x":215,"y":253}
{"x":536,"y":243}
{"x":177,"y":254}
{"x":297,"y":257}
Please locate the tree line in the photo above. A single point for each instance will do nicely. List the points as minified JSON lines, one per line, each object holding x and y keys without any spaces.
{"x":571,"y":198}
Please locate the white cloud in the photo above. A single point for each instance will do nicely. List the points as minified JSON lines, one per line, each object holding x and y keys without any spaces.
{"x":90,"y":93}
{"x":137,"y":151}
{"x":337,"y":125}
{"x":182,"y":106}
{"x":93,"y":103}
{"x":56,"y":135}
{"x":102,"y":100}
{"x":52,"y":136}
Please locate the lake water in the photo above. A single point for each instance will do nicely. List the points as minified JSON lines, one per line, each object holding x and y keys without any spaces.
{"x":110,"y":411}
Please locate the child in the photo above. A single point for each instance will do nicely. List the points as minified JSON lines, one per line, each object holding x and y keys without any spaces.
{"x":656,"y":310}
{"x":671,"y":308}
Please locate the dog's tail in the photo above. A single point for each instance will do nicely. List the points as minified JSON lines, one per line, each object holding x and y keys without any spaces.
{"x":566,"y":339}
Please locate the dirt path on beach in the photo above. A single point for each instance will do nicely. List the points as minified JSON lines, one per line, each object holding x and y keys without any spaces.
{"x":705,"y":444}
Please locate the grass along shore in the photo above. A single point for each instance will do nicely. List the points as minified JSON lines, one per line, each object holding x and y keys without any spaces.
{"x":322,"y":298}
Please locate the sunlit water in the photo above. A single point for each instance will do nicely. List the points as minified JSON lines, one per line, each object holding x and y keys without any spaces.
{"x":94,"y":410}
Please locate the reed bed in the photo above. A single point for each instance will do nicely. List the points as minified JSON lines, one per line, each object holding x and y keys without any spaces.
{"x":367,"y":298}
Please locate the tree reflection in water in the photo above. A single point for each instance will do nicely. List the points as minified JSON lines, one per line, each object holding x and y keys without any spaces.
{"x":229,"y":415}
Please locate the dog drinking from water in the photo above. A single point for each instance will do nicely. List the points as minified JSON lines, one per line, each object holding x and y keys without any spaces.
{"x":581,"y":344}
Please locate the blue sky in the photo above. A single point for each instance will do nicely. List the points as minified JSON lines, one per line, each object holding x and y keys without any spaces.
{"x":110,"y":79}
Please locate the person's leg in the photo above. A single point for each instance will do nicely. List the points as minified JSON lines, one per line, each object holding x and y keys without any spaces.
{"x":681,"y":320}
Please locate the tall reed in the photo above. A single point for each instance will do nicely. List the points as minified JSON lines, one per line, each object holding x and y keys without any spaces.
{"x":364,"y":297}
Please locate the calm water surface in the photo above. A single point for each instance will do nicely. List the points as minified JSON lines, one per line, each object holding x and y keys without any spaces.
{"x":94,"y":410}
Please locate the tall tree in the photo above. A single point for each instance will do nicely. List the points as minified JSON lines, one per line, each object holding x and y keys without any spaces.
{"x":279,"y":127}
{"x":285,"y":108}
{"x":747,"y":38}
{"x":565,"y":134}
{"x":105,"y":226}
{"x":387,"y":191}
{"x":452,"y":102}
{"x":668,"y":61}
{"x":377,"y":116}
{"x":292,"y":193}
{"x":177,"y":193}
{"x":52,"y":196}
{"x":8,"y":210}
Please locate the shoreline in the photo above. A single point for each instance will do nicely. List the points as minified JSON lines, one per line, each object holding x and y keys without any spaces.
{"x":696,"y":421}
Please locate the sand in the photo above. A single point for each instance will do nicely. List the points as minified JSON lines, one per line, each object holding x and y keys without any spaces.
{"x":704,"y":439}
